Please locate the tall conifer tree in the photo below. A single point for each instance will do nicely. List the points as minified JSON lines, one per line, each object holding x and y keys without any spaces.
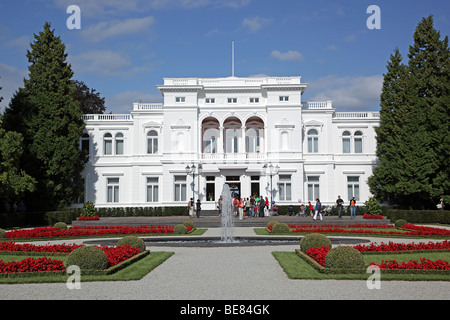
{"x":413,"y":140}
{"x":55,"y":121}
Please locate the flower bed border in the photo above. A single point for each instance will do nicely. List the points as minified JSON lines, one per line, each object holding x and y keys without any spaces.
{"x":108,"y":271}
{"x":326,"y":270}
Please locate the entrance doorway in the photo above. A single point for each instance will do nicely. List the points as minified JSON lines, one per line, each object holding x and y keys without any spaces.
{"x":254,"y":186}
{"x":235,"y":186}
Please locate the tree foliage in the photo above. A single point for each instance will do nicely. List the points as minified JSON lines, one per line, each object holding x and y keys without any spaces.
{"x":49,"y":118}
{"x":413,"y":141}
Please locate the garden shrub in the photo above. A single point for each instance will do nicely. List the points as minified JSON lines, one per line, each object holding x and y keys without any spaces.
{"x":399,"y":223}
{"x":189,"y":224}
{"x":344,"y":257}
{"x":88,"y":257}
{"x":132,"y":241}
{"x":60,"y":225}
{"x":2,"y":233}
{"x":180,"y":229}
{"x":271,"y":223}
{"x":280,"y":227}
{"x":314,"y":240}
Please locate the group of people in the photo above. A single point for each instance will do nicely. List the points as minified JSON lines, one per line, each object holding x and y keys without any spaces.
{"x":259,"y":207}
{"x":248,"y":207}
{"x":316,"y":210}
{"x":197,"y":207}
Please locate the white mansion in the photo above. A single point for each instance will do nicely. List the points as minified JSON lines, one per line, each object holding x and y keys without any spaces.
{"x":254,"y":134}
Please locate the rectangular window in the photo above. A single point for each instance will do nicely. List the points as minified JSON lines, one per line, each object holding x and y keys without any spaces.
{"x":180,"y":188}
{"x":353,"y":187}
{"x":313,"y":188}
{"x":232,"y":100}
{"x":119,"y":147}
{"x":358,"y":145}
{"x":313,"y":144}
{"x":152,"y":190}
{"x":210,"y":100}
{"x":112,"y":190}
{"x":107,"y":147}
{"x":254,"y":100}
{"x":346,"y":145}
{"x":285,"y":187}
{"x":210,"y":188}
{"x":180,"y":99}
{"x":284,"y":98}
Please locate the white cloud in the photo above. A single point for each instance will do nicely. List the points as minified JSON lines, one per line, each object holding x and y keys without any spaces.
{"x":102,"y":8}
{"x":358,"y":93}
{"x":256,"y":23}
{"x":286,"y":56}
{"x":123,"y":102}
{"x":114,"y":28}
{"x":11,"y":79}
{"x":101,"y":62}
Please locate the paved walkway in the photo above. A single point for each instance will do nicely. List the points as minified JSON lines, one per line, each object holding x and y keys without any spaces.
{"x":247,"y":273}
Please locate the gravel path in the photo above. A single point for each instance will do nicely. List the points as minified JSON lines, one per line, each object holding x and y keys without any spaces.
{"x":228,"y":273}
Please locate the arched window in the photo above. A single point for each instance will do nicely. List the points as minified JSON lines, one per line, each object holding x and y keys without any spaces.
{"x":346,"y":136}
{"x":119,"y":143}
{"x":232,"y":140}
{"x":253,"y":140}
{"x":313,"y":141}
{"x":210,"y":141}
{"x":107,"y":144}
{"x":152,"y":142}
{"x":358,"y":142}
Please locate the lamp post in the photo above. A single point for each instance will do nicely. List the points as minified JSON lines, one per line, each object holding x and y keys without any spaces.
{"x":192,"y":170}
{"x":271,"y":171}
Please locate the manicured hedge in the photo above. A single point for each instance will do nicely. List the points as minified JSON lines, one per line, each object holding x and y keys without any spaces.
{"x":420,"y":216}
{"x":33,"y":219}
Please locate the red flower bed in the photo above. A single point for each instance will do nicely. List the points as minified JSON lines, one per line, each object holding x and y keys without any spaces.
{"x":423,"y":264}
{"x":115,"y":255}
{"x":90,"y":218}
{"x":118,"y":254}
{"x":372,"y":216}
{"x":391,"y":246}
{"x":61,"y":248}
{"x":51,"y":232}
{"x":409,"y":229}
{"x":318,"y":254}
{"x":32,"y":265}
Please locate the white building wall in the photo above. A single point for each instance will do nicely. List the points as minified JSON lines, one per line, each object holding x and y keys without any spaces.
{"x":286,"y":121}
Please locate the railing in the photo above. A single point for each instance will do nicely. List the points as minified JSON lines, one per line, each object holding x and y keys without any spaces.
{"x":317,"y":105}
{"x":147,"y":106}
{"x":106,"y":117}
{"x":357,"y":115}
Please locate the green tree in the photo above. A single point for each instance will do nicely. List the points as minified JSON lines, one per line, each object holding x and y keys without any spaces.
{"x":14,"y":182}
{"x":413,"y":141}
{"x":386,"y":175}
{"x":90,"y":101}
{"x":54,"y":121}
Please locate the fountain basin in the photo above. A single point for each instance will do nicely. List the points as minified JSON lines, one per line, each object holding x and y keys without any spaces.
{"x":195,"y":241}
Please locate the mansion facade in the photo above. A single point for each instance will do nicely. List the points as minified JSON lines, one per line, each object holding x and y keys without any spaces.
{"x":255,"y":134}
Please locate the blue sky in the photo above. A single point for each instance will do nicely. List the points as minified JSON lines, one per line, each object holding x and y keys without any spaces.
{"x":125,"y":48}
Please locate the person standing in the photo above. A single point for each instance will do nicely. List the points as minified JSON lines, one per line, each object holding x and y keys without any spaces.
{"x":339,"y":203}
{"x":191,"y":207}
{"x":199,"y":208}
{"x":352,"y":208}
{"x":318,"y":208}
{"x":311,"y":208}
{"x":241,"y":209}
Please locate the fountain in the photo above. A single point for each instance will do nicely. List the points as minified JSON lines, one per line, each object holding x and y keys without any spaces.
{"x":227,"y":222}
